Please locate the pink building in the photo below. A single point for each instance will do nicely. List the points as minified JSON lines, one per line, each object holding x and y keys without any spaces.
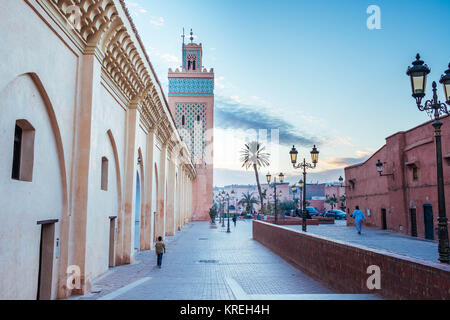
{"x":406,"y":201}
{"x":337,"y":191}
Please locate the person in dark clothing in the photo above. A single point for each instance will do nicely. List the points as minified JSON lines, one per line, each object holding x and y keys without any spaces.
{"x":160,"y":249}
{"x":234,"y":220}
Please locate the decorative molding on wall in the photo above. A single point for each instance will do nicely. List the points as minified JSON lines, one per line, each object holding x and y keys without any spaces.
{"x":105,"y":29}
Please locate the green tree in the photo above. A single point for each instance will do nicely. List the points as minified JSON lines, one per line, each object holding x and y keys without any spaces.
{"x":213,"y":213}
{"x":247,"y":200}
{"x":332,"y":201}
{"x":287,"y":205}
{"x":253,"y":155}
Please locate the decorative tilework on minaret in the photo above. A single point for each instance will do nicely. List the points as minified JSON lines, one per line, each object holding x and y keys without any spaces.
{"x":191,"y":101}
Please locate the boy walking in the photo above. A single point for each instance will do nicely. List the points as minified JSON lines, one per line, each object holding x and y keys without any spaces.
{"x":160,"y":249}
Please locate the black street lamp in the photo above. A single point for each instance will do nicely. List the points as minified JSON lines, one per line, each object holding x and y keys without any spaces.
{"x":379,"y":166}
{"x":269,"y":178}
{"x":228,"y":208}
{"x":218,"y":202}
{"x":294,"y":189}
{"x":304,"y":165}
{"x":223,"y":211}
{"x":341,"y":181}
{"x":418,"y":74}
{"x":301,"y":185}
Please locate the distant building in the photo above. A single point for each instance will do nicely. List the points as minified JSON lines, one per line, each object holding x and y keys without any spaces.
{"x":335,"y":190}
{"x":406,"y":201}
{"x":315,"y":193}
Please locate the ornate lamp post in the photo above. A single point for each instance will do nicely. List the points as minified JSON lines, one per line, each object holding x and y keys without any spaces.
{"x":228,"y":208}
{"x":281,"y":178}
{"x":294,"y":189}
{"x":218,"y":202}
{"x":379,"y":166}
{"x":304,"y":165}
{"x":341,"y":181}
{"x":223,"y":211}
{"x":301,"y":185}
{"x":418,"y":74}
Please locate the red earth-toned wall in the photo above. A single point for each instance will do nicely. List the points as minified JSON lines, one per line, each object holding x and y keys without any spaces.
{"x":401,"y":195}
{"x":343,"y":267}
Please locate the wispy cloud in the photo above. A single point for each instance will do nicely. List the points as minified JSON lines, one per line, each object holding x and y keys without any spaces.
{"x":232,"y":113}
{"x":157,"y":21}
{"x":167,"y":57}
{"x":345,"y":162}
{"x":135,"y":8}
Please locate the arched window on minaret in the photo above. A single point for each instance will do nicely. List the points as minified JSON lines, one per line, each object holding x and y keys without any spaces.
{"x":191,"y":61}
{"x":183,"y":120}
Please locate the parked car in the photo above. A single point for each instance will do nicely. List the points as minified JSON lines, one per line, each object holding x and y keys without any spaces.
{"x":337,"y":214}
{"x":312,"y":211}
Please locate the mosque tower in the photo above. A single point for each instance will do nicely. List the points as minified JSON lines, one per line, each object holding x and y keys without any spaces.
{"x":191,"y":101}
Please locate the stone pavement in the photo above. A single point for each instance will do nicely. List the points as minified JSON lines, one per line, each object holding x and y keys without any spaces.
{"x":209,"y":264}
{"x":376,"y":238}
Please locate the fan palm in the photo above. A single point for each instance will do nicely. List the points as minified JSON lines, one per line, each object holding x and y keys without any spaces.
{"x":247,"y":201}
{"x":253,"y":155}
{"x":332,"y":201}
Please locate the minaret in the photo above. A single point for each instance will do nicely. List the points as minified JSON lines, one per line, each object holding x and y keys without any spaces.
{"x":191,"y":101}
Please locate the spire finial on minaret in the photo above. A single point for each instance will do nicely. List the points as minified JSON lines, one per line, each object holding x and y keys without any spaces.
{"x":192,"y":36}
{"x":183,"y":36}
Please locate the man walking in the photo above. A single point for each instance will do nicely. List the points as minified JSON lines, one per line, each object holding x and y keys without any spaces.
{"x":359,"y":217}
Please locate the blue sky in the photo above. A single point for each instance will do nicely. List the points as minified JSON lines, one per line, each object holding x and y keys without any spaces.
{"x":311,"y":69}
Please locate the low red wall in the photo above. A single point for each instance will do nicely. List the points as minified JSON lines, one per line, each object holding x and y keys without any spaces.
{"x":343,"y":267}
{"x":289,"y":221}
{"x":324,"y":220}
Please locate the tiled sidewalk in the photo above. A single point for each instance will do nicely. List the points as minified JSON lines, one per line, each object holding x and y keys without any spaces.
{"x":205,"y":263}
{"x":376,"y":238}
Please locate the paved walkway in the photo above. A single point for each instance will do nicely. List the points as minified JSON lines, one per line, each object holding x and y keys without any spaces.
{"x":379,"y":239}
{"x":208,"y":264}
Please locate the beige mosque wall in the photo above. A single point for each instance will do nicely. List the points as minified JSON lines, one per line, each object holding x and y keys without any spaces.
{"x":81,"y":112}
{"x":24,"y":203}
{"x":108,"y":114}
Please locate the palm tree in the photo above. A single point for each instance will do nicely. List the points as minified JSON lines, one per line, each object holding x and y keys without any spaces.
{"x":253,"y":155}
{"x":247,"y":201}
{"x":332,"y":201}
{"x":343,"y":198}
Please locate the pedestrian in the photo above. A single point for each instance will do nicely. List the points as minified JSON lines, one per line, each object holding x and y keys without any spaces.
{"x":258,"y":217}
{"x":160,"y":249}
{"x":359,"y":217}
{"x":234,"y":220}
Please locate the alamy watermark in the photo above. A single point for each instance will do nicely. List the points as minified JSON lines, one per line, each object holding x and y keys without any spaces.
{"x":374,"y":20}
{"x":74,"y":17}
{"x":74,"y":278}
{"x":374,"y":280}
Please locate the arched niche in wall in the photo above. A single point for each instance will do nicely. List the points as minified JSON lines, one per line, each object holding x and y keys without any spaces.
{"x":119,"y":226}
{"x":25,"y":103}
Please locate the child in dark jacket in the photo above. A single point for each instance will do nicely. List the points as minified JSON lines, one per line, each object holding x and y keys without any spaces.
{"x":160,"y":249}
